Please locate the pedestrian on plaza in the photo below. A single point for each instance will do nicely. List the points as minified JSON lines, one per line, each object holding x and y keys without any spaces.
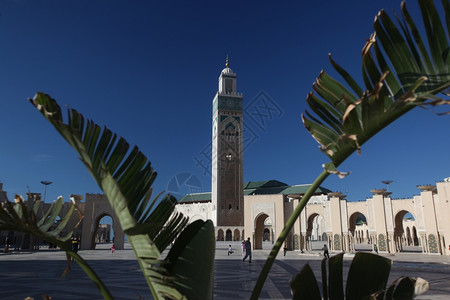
{"x":248,"y":250}
{"x":75,"y":244}
{"x":243,"y":248}
{"x":230,"y":250}
{"x":285,"y":250}
{"x":5,"y":250}
{"x":375,"y":248}
{"x":325,"y":251}
{"x":113,"y":248}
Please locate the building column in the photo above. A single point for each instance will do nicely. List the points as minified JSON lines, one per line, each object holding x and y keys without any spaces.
{"x":424,"y":243}
{"x":391,"y":243}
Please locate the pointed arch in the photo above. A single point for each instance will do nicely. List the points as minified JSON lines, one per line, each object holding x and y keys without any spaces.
{"x":220,"y":235}
{"x":228,"y":235}
{"x":259,"y":230}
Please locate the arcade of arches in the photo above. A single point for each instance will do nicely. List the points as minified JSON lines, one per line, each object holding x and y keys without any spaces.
{"x":328,"y":217}
{"x":391,"y":224}
{"x":94,"y":209}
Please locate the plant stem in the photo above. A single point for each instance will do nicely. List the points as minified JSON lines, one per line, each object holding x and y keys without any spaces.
{"x":131,"y":240}
{"x":92,"y":275}
{"x":287,"y":228}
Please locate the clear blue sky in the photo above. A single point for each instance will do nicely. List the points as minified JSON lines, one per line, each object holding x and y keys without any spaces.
{"x":149,"y":72}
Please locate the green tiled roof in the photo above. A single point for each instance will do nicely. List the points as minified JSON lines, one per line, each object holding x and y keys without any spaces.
{"x":302,"y":188}
{"x":198,"y":197}
{"x":263,"y":184}
{"x":268,"y":187}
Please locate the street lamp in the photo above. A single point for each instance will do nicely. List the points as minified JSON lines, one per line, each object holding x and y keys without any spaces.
{"x":387,"y":183}
{"x":46,"y":183}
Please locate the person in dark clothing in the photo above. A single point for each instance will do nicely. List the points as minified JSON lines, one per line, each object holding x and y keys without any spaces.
{"x":325,"y":251}
{"x":248,"y":250}
{"x":75,"y":244}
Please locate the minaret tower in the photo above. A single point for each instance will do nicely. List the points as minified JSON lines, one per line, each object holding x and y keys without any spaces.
{"x":227,"y":156}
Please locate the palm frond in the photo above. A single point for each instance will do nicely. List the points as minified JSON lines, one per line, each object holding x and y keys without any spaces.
{"x":126,"y":177}
{"x":16,"y":217}
{"x":399,"y":70}
{"x":399,"y":74}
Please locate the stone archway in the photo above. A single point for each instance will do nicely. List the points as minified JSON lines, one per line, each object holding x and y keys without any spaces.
{"x":237,"y":235}
{"x":314,"y":230}
{"x":96,"y":207}
{"x":228,"y":235}
{"x":220,"y":235}
{"x":259,"y":231}
{"x":358,"y":228}
{"x":404,"y":220}
{"x":101,"y":234}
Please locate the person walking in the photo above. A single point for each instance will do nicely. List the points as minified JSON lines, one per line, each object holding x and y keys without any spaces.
{"x":230,"y":250}
{"x":375,"y":248}
{"x":75,"y":244}
{"x":325,"y":252}
{"x":113,"y":249}
{"x":243,"y":248}
{"x":248,"y":250}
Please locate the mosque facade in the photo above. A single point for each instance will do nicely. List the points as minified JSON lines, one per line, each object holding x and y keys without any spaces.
{"x":260,"y":209}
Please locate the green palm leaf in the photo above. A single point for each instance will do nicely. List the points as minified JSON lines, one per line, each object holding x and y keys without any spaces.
{"x":400,"y":71}
{"x":125,"y":175}
{"x":16,"y":217}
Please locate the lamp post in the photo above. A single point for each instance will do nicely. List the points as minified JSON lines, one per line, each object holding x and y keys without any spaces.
{"x":46,"y":183}
{"x":387,"y":183}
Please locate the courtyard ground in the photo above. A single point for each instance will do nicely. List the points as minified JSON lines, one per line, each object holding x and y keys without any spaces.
{"x":32,"y":274}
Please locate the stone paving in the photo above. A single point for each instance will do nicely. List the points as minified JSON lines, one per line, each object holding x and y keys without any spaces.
{"x":36,"y":273}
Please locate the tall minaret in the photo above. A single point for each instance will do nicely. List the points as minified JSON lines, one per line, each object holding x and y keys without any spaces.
{"x":227,"y":156}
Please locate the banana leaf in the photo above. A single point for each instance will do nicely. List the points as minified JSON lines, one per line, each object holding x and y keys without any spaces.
{"x":125,"y":175}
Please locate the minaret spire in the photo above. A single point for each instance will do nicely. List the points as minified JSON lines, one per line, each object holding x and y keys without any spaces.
{"x":227,"y":196}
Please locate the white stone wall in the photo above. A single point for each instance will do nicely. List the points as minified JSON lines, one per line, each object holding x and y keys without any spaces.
{"x":196,"y":211}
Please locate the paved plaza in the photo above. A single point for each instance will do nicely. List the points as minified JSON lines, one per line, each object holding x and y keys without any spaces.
{"x":33,"y":274}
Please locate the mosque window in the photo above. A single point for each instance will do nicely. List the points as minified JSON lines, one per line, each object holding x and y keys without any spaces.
{"x":228,"y":86}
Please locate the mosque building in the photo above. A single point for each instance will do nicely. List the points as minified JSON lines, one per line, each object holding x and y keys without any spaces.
{"x":260,"y":209}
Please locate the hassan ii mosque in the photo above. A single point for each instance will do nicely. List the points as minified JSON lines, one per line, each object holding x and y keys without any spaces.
{"x":260,"y":209}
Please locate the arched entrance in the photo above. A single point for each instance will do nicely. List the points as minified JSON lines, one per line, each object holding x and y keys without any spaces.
{"x":102,"y":229}
{"x":228,"y":235}
{"x":97,"y":207}
{"x":405,"y":233}
{"x":314,"y":231}
{"x":105,"y":232}
{"x":359,"y":230}
{"x":220,"y":235}
{"x":260,"y":226}
{"x":237,"y":235}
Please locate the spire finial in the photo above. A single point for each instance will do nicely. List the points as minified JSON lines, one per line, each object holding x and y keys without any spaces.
{"x":227,"y":64}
